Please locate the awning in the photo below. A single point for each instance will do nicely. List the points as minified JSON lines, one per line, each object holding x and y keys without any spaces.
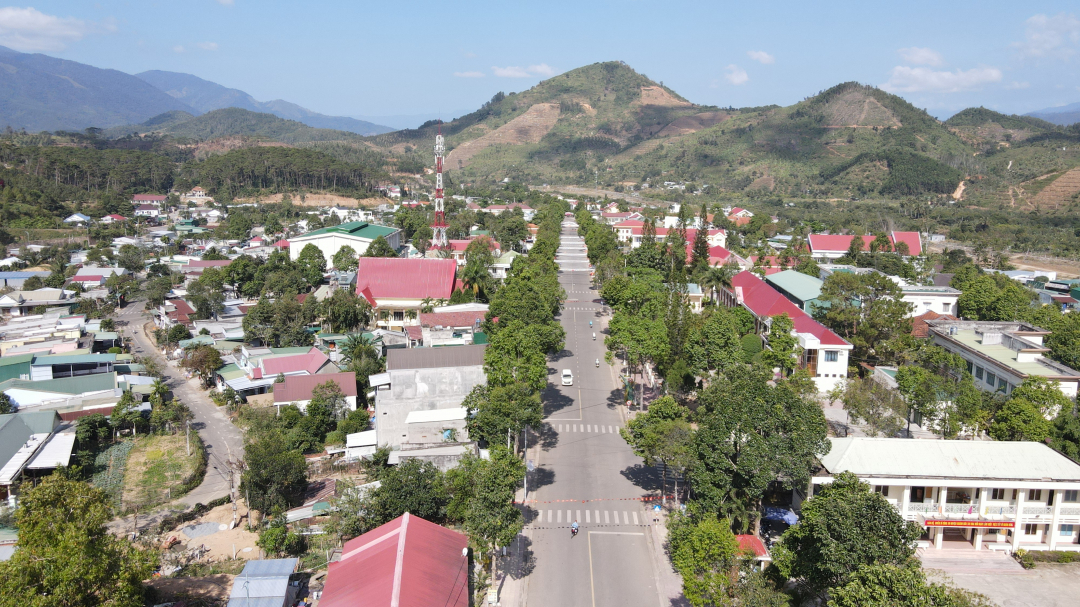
{"x":773,"y":513}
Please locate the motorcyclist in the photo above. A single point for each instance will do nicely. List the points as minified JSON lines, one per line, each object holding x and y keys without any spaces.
{"x":598,"y":363}
{"x":574,"y":528}
{"x":594,"y":336}
{"x":590,"y":323}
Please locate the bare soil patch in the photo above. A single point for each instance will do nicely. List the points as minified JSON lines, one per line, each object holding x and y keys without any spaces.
{"x":209,"y":588}
{"x":220,"y":544}
{"x":529,"y":127}
{"x":655,"y":95}
{"x":156,"y":468}
{"x":855,"y":108}
{"x":693,"y":124}
{"x":318,"y":200}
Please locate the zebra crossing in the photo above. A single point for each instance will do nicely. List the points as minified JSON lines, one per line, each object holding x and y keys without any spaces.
{"x":591,"y":308}
{"x":558,"y":517}
{"x":585,"y":428}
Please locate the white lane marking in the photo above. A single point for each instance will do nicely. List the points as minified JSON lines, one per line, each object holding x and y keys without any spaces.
{"x":587,"y":519}
{"x":560,"y":516}
{"x":607,"y":520}
{"x":590,"y":427}
{"x":549,"y":516}
{"x":635,"y":517}
{"x":560,"y":428}
{"x":614,"y":533}
{"x":611,"y":430}
{"x":625,"y":519}
{"x":568,"y":516}
{"x":602,"y":431}
{"x":597,"y":516}
{"x":578,"y":517}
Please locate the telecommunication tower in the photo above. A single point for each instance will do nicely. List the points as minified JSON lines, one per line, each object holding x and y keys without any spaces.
{"x":438,"y":229}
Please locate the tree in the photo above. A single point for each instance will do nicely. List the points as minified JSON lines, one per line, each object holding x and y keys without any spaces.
{"x":412,"y":486}
{"x":899,"y":585}
{"x":33,"y":283}
{"x":207,"y":300}
{"x":784,"y":350}
{"x":346,"y":259}
{"x":867,"y":310}
{"x":131,"y":258}
{"x":515,"y":355}
{"x":422,"y":239}
{"x":1020,"y":419}
{"x":661,"y":436}
{"x":844,"y":528}
{"x":380,"y":248}
{"x":204,"y":361}
{"x":5,"y":404}
{"x":277,"y":540}
{"x":752,"y":433}
{"x":274,"y":476}
{"x":475,"y":275}
{"x":494,"y":411}
{"x":706,"y":555}
{"x":866,"y":401}
{"x":178,"y":333}
{"x":345,"y":311}
{"x":66,"y":556}
{"x":699,"y":259}
{"x":714,"y":343}
{"x":311,"y":263}
{"x":491,"y":519}
{"x":126,"y":414}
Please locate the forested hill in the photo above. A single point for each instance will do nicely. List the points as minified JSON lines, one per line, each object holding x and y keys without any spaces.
{"x":234,"y":122}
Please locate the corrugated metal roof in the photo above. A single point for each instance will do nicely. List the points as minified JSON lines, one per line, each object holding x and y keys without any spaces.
{"x":436,"y":415}
{"x":359,"y":229}
{"x":799,"y":285}
{"x":95,"y":382}
{"x":267,"y":568}
{"x":55,"y":453}
{"x":73,"y":359}
{"x":434,"y":358}
{"x":395,"y":278}
{"x":300,"y":387}
{"x":765,"y":301}
{"x":961,"y":459}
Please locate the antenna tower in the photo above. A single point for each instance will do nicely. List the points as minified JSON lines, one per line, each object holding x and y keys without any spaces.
{"x":438,"y":228}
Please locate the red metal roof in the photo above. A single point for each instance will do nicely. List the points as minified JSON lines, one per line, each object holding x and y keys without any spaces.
{"x":311,"y":361}
{"x":396,"y":278}
{"x":299,"y":387}
{"x":839,"y":243}
{"x":919,"y":328}
{"x":914,"y":243}
{"x":182,"y":307}
{"x":407,"y":562}
{"x":208,"y":263}
{"x":451,"y":319}
{"x":148,"y":197}
{"x":765,"y":301}
{"x":415,"y":332}
{"x":752,"y":544}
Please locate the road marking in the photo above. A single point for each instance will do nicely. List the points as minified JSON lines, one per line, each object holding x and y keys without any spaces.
{"x":625,"y":519}
{"x":615,"y":533}
{"x":578,"y":513}
{"x":635,"y":517}
{"x":592,"y":584}
{"x":587,"y":519}
{"x":549,"y":516}
{"x":568,"y":516}
{"x":610,"y":430}
{"x":607,"y":520}
{"x":597,"y":512}
{"x":560,"y":517}
{"x":602,"y":431}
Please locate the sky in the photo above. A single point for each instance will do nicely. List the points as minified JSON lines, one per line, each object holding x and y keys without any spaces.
{"x":441,"y":59}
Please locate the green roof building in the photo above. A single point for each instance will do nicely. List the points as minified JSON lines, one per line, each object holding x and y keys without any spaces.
{"x":801,"y":289}
{"x":356,"y":234}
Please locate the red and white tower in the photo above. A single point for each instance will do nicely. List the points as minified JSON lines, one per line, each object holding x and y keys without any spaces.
{"x":438,"y":229}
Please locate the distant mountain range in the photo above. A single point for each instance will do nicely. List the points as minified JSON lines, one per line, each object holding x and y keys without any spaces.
{"x":206,"y":96}
{"x":1063,"y":115}
{"x":42,"y":93}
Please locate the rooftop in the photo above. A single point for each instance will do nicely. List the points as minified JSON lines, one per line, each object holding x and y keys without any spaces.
{"x":763,"y":300}
{"x":434,"y":358}
{"x":357,"y":229}
{"x":799,"y":285}
{"x":395,"y":278}
{"x":961,"y":459}
{"x":1006,"y":356}
{"x":300,"y":387}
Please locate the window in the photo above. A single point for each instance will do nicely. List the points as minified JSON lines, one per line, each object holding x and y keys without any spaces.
{"x":1031,"y":529}
{"x":1066,"y":530}
{"x":1034,"y":495}
{"x":1002,"y":383}
{"x":993,"y":531}
{"x":882,"y":489}
{"x":946,"y":307}
{"x":929,"y":305}
{"x":969,"y":366}
{"x":978,"y":372}
{"x":1069,"y":495}
{"x":997,"y":494}
{"x":1014,"y":493}
{"x":991,"y":379}
{"x":918,"y":494}
{"x":831,"y":356}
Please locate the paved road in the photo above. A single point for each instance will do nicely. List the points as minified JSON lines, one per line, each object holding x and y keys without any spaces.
{"x":586,"y":472}
{"x":223,"y":440}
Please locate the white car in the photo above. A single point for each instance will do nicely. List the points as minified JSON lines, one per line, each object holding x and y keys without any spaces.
{"x":567,"y":377}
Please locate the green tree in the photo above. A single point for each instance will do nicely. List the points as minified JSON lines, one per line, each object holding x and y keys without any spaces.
{"x":515,"y":355}
{"x":66,"y":556}
{"x":412,"y":486}
{"x":867,"y":310}
{"x":842,"y":529}
{"x":706,"y":555}
{"x":899,"y":585}
{"x":883,"y":411}
{"x":714,"y":343}
{"x":345,"y":311}
{"x":274,"y":476}
{"x":491,"y":519}
{"x":277,"y":540}
{"x":1020,"y":419}
{"x":311,"y":263}
{"x":380,"y":248}
{"x":5,"y":404}
{"x":662,"y":435}
{"x":204,"y":361}
{"x":346,"y":259}
{"x":207,"y":300}
{"x":783,"y":352}
{"x":178,"y":333}
{"x":496,"y":410}
{"x":131,"y":258}
{"x":126,"y":414}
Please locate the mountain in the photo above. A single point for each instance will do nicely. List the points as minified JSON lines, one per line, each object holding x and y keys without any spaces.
{"x":1063,"y":115}
{"x":42,"y":93}
{"x":207,"y":96}
{"x":234,"y":122}
{"x":605,"y":122}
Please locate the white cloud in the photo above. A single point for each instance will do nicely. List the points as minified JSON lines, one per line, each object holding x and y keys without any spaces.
{"x":736,"y":75}
{"x":178,"y":48}
{"x":921,"y":56}
{"x":761,"y":57}
{"x":1055,"y":37}
{"x":1018,"y":85}
{"x":925,"y":80}
{"x":207,"y":46}
{"x":469,"y":74}
{"x":27,"y":29}
{"x":514,"y":71}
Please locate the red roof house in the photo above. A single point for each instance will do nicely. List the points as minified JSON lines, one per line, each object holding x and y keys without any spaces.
{"x":148,"y":198}
{"x":309,"y":362}
{"x":407,"y":562}
{"x":833,"y":246}
{"x":752,"y":545}
{"x":404,"y":283}
{"x":299,"y":388}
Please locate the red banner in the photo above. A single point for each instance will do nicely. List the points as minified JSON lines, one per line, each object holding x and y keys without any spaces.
{"x":978,"y":524}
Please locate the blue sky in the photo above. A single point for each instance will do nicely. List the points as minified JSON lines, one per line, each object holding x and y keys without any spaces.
{"x":391,"y":58}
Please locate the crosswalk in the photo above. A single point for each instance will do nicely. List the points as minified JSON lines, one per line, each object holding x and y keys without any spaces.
{"x":591,"y":308}
{"x":559,"y":516}
{"x":586,"y":428}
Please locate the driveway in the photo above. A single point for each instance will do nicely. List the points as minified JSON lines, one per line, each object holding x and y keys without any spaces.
{"x":224,"y":442}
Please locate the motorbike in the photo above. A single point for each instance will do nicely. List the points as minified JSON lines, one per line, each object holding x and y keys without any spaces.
{"x":573,"y":531}
{"x":598,"y":363}
{"x":594,"y":336}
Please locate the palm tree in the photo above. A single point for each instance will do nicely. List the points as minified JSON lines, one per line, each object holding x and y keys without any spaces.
{"x":719,"y":277}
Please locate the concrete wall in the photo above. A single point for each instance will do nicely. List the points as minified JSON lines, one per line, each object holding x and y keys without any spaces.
{"x":421,"y":390}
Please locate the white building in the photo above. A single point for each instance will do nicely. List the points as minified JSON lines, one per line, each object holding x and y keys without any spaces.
{"x":1001,"y":355}
{"x":983,"y":494}
{"x":356,"y":234}
{"x":930,"y":299}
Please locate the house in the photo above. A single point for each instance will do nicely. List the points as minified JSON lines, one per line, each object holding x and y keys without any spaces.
{"x":31,"y":444}
{"x":395,"y":287}
{"x":16,"y":279}
{"x":21,"y":303}
{"x":297,"y":389}
{"x":173,"y":312}
{"x":450,"y":328}
{"x":113,"y":218}
{"x":801,"y":289}
{"x":356,"y":234}
{"x":431,"y":383}
{"x":919,"y":326}
{"x":739,"y":216}
{"x":501,"y":267}
{"x":147,"y":210}
{"x":824,"y":353}
{"x":196,"y":195}
{"x":930,"y":299}
{"x":257,"y":369}
{"x":59,"y":366}
{"x":155,"y":200}
{"x":833,"y":246}
{"x":94,"y":392}
{"x":265,"y":583}
{"x":498,"y":209}
{"x":615,"y":217}
{"x":408,"y":562}
{"x":1001,"y":355}
{"x":77,"y":219}
{"x":633,"y":231}
{"x":1001,"y":495}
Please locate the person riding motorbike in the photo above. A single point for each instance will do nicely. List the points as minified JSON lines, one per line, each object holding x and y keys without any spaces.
{"x":574,"y":529}
{"x":598,"y":363}
{"x":594,"y":336}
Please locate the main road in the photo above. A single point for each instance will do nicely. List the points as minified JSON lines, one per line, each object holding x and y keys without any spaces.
{"x":583,"y":470}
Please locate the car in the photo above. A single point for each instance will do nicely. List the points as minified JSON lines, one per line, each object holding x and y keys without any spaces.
{"x":567,"y":377}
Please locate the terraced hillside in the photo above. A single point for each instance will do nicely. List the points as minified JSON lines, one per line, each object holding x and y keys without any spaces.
{"x":1060,"y":192}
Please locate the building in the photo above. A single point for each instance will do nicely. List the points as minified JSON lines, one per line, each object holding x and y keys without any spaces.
{"x":157,"y":200}
{"x":824,"y":353}
{"x":451,"y":328}
{"x":32,"y":444}
{"x":77,"y":219}
{"x":930,"y":299}
{"x":265,"y":583}
{"x":408,"y":562}
{"x":258,"y":369}
{"x":147,"y":210}
{"x":22,"y":303}
{"x":498,"y":209}
{"x":100,"y":391}
{"x":632,"y":232}
{"x":356,"y":234}
{"x":418,"y":399}
{"x":824,"y":247}
{"x":398,"y":287}
{"x":1001,"y":355}
{"x":984,"y":494}
{"x":920,"y":329}
{"x":113,"y":218}
{"x":801,"y":289}
{"x":297,"y":389}
{"x":16,"y":279}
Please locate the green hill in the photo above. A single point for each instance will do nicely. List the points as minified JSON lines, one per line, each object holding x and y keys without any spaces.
{"x":236,"y":122}
{"x":980,"y":116}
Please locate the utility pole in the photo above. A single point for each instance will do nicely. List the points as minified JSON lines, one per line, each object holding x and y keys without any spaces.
{"x":187,"y":435}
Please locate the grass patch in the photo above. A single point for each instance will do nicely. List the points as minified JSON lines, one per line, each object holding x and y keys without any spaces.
{"x":109,"y":466}
{"x":159,"y":469}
